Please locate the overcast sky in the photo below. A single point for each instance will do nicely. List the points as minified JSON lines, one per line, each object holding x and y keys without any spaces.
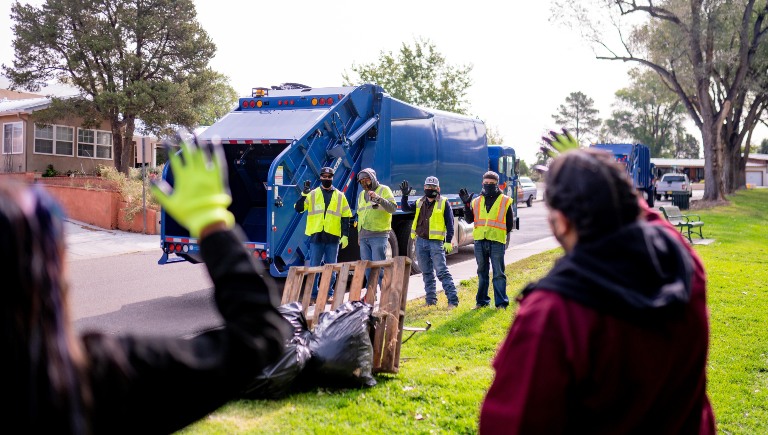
{"x":524,"y":65}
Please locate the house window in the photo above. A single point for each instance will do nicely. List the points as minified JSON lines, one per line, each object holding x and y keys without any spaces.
{"x":94,"y":143}
{"x":54,"y":139}
{"x":13,"y":138}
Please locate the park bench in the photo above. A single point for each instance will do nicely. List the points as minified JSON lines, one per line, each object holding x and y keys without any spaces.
{"x":686,"y":223}
{"x":389,"y":309}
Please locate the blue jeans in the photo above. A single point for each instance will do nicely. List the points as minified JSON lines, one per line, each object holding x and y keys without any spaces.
{"x":486,"y":250}
{"x":375,"y":249}
{"x":323,"y":253}
{"x":431,"y":257}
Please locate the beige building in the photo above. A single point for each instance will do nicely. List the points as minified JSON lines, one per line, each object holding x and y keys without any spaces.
{"x":66,"y":145}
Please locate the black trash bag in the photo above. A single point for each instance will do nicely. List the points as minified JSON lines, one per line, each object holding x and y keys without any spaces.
{"x":277,"y":380}
{"x":341,"y":348}
{"x":294,"y":313}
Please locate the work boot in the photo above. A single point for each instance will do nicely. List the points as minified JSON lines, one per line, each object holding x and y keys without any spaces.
{"x":451,"y":306}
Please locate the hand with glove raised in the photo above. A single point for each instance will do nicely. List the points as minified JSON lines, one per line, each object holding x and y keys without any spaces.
{"x":466,"y":198}
{"x":405,"y":188}
{"x":200,"y":195}
{"x":344,"y":241}
{"x":307,"y":188}
{"x":559,"y":143}
{"x":448,"y":247}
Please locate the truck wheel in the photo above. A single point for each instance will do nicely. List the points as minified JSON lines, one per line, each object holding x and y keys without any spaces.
{"x":392,"y":248}
{"x":407,"y":245}
{"x":529,"y":201}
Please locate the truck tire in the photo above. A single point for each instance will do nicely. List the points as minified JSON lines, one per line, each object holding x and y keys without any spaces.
{"x":407,"y":246}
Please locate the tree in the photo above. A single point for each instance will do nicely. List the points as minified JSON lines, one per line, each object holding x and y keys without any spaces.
{"x":419,"y":75}
{"x":647,"y":112}
{"x":578,"y":115}
{"x":130,"y":59}
{"x":763,"y":147}
{"x":494,"y":136}
{"x":525,"y":171}
{"x":704,"y":51}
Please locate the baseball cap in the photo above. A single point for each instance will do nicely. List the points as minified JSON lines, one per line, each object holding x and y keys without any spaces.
{"x":433,"y":181}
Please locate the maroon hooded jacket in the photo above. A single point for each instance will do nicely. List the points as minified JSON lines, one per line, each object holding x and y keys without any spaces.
{"x":613,"y":340}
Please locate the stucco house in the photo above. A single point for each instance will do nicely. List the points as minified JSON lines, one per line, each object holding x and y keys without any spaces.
{"x":756,"y":169}
{"x":65,"y":144}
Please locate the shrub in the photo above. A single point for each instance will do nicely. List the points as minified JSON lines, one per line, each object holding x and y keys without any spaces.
{"x":50,"y":171}
{"x":130,"y":188}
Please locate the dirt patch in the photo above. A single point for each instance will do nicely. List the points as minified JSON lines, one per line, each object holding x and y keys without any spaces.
{"x":701,"y":204}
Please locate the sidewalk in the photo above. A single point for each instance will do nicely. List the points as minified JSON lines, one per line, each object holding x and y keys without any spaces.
{"x":85,"y":241}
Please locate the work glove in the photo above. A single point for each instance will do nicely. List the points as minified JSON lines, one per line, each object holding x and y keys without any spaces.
{"x":559,"y":143}
{"x":344,"y":241}
{"x":466,"y":198}
{"x":200,"y":194}
{"x":307,"y":188}
{"x":405,"y":188}
{"x":448,"y":247}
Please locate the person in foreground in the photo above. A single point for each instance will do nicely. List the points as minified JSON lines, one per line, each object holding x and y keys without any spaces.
{"x":614,"y":339}
{"x":64,"y":383}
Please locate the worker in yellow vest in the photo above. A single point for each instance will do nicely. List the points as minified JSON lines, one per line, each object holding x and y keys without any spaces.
{"x":433,"y":231}
{"x":491,"y":213}
{"x":375,"y":206}
{"x":328,"y":220}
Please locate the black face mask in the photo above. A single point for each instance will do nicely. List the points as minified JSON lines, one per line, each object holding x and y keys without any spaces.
{"x":430,"y":193}
{"x":326,"y":183}
{"x":489,"y":189}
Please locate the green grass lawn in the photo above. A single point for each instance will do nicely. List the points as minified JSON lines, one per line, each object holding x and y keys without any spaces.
{"x":445,"y":371}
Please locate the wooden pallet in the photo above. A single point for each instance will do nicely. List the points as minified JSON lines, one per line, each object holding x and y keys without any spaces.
{"x":389,"y":307}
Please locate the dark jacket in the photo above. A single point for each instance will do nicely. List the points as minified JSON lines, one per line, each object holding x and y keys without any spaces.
{"x":613,"y":340}
{"x":159,"y":385}
{"x":447,"y":214}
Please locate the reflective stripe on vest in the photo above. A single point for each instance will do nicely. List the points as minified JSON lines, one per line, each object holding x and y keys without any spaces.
{"x":319,"y":219}
{"x":374,"y":219}
{"x":437,"y":228}
{"x":491,"y":225}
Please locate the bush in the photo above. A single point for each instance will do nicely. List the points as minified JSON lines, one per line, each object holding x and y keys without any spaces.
{"x":50,"y":171}
{"x":130,"y":188}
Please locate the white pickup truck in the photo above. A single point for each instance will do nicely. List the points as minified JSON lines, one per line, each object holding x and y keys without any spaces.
{"x":672,"y":183}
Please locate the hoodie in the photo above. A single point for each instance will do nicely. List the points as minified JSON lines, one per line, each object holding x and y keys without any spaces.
{"x":613,"y":340}
{"x":387,"y":203}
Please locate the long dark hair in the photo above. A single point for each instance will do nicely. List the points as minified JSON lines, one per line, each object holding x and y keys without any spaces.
{"x":592,"y":191}
{"x":49,"y":389}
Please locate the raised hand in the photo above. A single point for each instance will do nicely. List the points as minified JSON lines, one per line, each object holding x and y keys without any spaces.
{"x":405,"y":188}
{"x":464,"y":195}
{"x":200,"y":194}
{"x":307,"y":188}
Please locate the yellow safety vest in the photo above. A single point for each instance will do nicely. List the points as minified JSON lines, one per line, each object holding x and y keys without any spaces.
{"x":491,"y":225}
{"x":437,"y":229}
{"x":319,"y":219}
{"x":374,"y":219}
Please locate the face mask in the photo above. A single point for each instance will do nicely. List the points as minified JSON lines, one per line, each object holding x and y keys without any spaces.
{"x":489,"y":189}
{"x":430,"y":193}
{"x":326,"y":183}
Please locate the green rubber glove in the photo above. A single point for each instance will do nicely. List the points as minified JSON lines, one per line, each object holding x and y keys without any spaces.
{"x":344,"y":241}
{"x":200,"y":195}
{"x":559,"y":143}
{"x":448,"y":247}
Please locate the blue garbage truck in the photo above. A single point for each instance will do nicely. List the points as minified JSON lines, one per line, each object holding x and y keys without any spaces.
{"x":281,"y":136}
{"x":636,"y":158}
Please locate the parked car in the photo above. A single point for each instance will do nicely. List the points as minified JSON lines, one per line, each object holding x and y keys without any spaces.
{"x":673,"y":183}
{"x":526,"y":191}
